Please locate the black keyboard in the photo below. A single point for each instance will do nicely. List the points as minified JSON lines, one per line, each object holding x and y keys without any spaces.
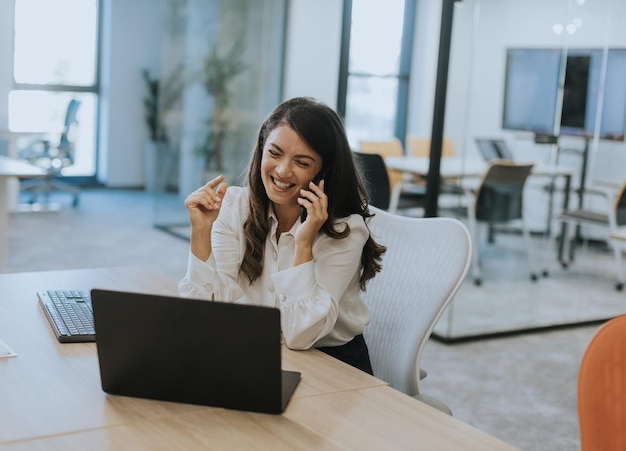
{"x":70,"y":315}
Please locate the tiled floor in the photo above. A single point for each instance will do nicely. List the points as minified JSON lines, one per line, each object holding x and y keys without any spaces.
{"x":509,"y":301}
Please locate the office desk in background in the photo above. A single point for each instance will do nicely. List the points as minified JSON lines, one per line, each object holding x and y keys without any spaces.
{"x":458,"y":167}
{"x":474,"y":168}
{"x":13,"y":185}
{"x":10,"y":170}
{"x":52,"y":397}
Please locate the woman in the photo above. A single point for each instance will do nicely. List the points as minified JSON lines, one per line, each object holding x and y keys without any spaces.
{"x":295,"y":237}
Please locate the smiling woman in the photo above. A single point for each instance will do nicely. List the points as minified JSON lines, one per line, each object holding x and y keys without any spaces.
{"x":250,"y":245}
{"x":288,"y":166}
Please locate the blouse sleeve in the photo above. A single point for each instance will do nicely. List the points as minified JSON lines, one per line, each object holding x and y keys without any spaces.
{"x":203,"y":280}
{"x":309,"y":308}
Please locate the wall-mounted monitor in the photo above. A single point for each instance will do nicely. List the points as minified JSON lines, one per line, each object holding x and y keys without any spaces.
{"x":532,"y":87}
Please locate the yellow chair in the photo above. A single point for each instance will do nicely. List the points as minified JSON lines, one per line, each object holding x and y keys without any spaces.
{"x":420,"y":147}
{"x":601,"y":391}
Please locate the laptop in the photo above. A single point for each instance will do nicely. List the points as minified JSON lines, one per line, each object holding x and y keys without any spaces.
{"x":191,"y":351}
{"x":493,"y":149}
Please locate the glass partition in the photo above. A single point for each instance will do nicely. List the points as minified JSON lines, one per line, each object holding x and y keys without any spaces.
{"x":545,"y":83}
{"x":220,"y":76}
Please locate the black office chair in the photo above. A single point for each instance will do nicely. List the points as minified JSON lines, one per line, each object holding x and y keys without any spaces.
{"x":498,"y":200}
{"x":53,"y":158}
{"x":376,"y":178}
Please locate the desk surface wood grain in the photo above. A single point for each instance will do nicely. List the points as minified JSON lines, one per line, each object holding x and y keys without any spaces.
{"x":51,"y":395}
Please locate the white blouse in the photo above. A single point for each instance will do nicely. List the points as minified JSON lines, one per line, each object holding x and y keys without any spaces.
{"x":319,"y":301}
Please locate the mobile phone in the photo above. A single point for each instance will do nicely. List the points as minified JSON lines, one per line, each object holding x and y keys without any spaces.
{"x":316,"y":180}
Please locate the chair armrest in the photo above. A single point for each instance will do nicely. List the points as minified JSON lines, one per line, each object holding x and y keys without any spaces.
{"x":606,"y":192}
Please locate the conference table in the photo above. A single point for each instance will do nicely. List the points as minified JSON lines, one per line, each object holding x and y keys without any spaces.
{"x":51,"y":397}
{"x":461,"y":168}
{"x":10,"y":170}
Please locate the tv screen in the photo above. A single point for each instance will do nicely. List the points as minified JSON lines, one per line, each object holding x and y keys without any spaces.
{"x":531,"y":99}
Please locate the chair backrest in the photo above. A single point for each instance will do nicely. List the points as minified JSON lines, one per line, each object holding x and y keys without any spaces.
{"x":375,"y":177}
{"x":420,"y":147}
{"x":602,"y":388}
{"x":424,"y":266}
{"x":493,"y":149}
{"x":389,"y":148}
{"x":499,"y":197}
{"x":620,"y":205}
{"x":66,"y":146}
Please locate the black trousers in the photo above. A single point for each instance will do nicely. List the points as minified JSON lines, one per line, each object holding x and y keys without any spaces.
{"x":353,"y":353}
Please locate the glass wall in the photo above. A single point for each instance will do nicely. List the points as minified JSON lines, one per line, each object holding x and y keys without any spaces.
{"x":548,"y":80}
{"x":220,"y":76}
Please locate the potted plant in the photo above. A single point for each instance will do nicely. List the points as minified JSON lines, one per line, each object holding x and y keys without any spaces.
{"x":159,"y":101}
{"x":216,"y":75}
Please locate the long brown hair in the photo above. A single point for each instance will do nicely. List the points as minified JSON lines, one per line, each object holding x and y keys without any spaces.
{"x":322,"y":129}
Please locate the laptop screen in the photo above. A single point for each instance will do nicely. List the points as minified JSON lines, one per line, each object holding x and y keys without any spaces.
{"x":192,"y":351}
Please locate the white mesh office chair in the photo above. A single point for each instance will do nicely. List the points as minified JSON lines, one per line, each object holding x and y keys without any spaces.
{"x":426,"y":262}
{"x":54,"y":158}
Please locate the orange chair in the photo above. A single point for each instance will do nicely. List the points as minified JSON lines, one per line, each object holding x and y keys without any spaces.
{"x":602,"y":389}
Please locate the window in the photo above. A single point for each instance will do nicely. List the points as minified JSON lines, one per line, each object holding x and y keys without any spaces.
{"x":55,"y":60}
{"x":375,"y":62}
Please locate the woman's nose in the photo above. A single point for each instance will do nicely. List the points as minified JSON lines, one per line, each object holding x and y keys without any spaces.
{"x":283,"y":169}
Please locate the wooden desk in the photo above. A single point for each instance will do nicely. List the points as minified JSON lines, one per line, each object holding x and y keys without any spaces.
{"x":52,"y":398}
{"x":10,"y":169}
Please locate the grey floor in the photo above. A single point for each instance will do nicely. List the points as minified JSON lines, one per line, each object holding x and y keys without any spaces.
{"x":520,"y":388}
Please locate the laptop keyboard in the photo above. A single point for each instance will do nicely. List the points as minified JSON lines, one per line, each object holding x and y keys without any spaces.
{"x":70,"y":315}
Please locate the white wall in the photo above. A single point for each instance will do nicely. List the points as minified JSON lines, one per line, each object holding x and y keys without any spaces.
{"x":313,"y":50}
{"x":131,"y":42}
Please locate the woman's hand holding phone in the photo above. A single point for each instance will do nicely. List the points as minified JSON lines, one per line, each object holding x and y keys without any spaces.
{"x":315,"y":203}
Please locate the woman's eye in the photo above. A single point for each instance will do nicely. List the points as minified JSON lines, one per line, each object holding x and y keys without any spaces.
{"x":303,"y":164}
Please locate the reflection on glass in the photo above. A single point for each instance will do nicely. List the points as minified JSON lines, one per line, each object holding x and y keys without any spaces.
{"x":212,"y":128}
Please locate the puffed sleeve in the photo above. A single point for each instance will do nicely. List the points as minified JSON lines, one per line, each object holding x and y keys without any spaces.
{"x":218,"y":276}
{"x":310,"y":307}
